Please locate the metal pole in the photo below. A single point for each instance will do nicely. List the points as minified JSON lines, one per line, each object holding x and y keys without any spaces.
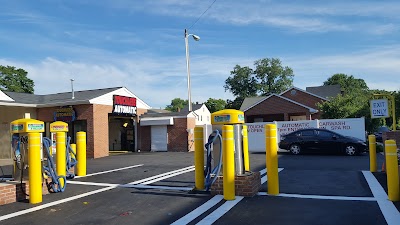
{"x":188,"y":69}
{"x":199,"y":157}
{"x":392,"y":170}
{"x":35,"y":169}
{"x":372,"y":153}
{"x":272,"y":159}
{"x":393,"y":112}
{"x":228,"y":162}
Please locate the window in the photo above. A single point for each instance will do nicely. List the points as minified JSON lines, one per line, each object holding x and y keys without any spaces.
{"x":307,"y":133}
{"x":325,"y":134}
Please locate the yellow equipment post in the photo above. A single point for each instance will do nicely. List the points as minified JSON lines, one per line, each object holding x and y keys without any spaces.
{"x":228,"y":162}
{"x":61,"y":157}
{"x":199,"y":158}
{"x":392,"y":171}
{"x":81,"y":153}
{"x":272,"y":159}
{"x":246,"y":149}
{"x":373,"y":167}
{"x":35,"y":168}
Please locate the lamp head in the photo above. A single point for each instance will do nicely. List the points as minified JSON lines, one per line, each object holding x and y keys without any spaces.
{"x":195,"y":37}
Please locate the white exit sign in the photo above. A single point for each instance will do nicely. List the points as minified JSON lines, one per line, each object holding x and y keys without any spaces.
{"x":379,"y":108}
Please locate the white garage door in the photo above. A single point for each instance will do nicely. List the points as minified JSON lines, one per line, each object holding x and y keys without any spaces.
{"x":159,"y":138}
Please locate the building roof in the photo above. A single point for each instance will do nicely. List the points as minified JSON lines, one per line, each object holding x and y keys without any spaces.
{"x":312,"y":110}
{"x":194,"y":108}
{"x":79,"y":96}
{"x":325,"y":91}
{"x":307,"y":92}
{"x":248,"y":102}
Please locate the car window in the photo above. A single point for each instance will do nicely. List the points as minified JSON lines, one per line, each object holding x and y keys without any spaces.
{"x":325,"y":134}
{"x":307,"y":133}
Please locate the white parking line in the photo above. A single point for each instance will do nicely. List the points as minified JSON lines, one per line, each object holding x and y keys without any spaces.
{"x":389,"y":211}
{"x":218,"y":213}
{"x":141,"y":186}
{"x":91,"y":183}
{"x":345,"y":198}
{"x":33,"y":209}
{"x":109,"y":171}
{"x":162,"y":175}
{"x":199,"y":210}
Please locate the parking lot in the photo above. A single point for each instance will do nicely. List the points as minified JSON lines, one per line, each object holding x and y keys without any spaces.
{"x":155,"y":188}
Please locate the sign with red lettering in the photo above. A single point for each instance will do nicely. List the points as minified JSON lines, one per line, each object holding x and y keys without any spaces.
{"x":123,"y":105}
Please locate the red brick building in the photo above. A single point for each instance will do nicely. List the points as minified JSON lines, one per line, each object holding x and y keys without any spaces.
{"x":292,"y":104}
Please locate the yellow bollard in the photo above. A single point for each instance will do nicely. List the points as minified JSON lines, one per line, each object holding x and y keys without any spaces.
{"x":81,"y":153}
{"x":228,"y":162}
{"x":246,"y":149}
{"x":392,"y":170}
{"x":373,"y":166}
{"x":61,"y":158}
{"x":35,"y":168}
{"x":271,"y":146}
{"x":199,"y":158}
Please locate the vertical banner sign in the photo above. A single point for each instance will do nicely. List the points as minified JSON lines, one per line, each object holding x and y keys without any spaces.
{"x":379,"y":108}
{"x":124,"y":106}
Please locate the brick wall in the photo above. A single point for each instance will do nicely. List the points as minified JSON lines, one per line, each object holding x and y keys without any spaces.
{"x":275,"y":105}
{"x":246,"y":185}
{"x":303,"y":98}
{"x":392,"y":135}
{"x":100,"y":130}
{"x":13,"y":191}
{"x":178,"y":136}
{"x":145,"y":138}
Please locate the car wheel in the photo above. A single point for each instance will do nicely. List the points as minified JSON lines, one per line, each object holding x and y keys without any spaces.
{"x":350,"y":150}
{"x":295,"y":149}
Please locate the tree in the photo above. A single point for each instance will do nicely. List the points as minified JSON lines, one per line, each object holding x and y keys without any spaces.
{"x":347,"y":83}
{"x":242,"y":83}
{"x":272,"y":76}
{"x":15,"y":80}
{"x":215,"y":104}
{"x":269,"y":76}
{"x":177,"y":104}
{"x":354,"y":102}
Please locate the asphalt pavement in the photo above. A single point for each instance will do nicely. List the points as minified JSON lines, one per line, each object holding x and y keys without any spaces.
{"x":155,"y":188}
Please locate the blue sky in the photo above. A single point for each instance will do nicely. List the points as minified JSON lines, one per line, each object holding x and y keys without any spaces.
{"x":140,"y":44}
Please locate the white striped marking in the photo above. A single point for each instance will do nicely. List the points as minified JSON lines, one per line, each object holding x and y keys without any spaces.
{"x":264,"y":178}
{"x":110,"y":171}
{"x":218,"y":213}
{"x":321,"y":197}
{"x":198,"y":211}
{"x":162,"y":175}
{"x":22,"y":212}
{"x":92,"y":183}
{"x":141,"y":186}
{"x":389,"y":211}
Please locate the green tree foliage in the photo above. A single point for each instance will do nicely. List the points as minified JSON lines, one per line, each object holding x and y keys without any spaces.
{"x":15,"y":80}
{"x":177,"y":104}
{"x":215,"y":104}
{"x":272,"y":76}
{"x":269,"y":76}
{"x":353,"y":104}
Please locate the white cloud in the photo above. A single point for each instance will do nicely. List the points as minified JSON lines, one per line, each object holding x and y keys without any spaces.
{"x":157,"y":79}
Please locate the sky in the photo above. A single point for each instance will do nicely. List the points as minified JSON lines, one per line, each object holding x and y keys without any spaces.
{"x":140,"y":44}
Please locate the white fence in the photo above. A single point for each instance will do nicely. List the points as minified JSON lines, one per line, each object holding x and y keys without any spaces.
{"x":347,"y":127}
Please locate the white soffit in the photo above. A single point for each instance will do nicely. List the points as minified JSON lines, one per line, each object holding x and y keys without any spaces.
{"x":4,"y":97}
{"x":157,"y":121}
{"x":107,"y":99}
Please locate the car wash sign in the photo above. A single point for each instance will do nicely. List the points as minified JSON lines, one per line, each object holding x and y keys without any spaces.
{"x":379,"y":108}
{"x":124,"y":106}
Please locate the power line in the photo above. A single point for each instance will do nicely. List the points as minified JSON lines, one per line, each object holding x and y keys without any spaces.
{"x":202,"y":14}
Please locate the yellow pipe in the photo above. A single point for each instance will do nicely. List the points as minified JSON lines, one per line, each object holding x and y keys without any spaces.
{"x":34,"y":169}
{"x":61,"y":159}
{"x":228,"y":162}
{"x":199,"y":158}
{"x":81,"y":153}
{"x":271,"y":146}
{"x":73,"y":147}
{"x":392,"y":170}
{"x":246,"y":149}
{"x":373,"y":167}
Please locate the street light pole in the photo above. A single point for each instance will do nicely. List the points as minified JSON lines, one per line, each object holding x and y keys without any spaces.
{"x":72,"y":88}
{"x":196,"y":38}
